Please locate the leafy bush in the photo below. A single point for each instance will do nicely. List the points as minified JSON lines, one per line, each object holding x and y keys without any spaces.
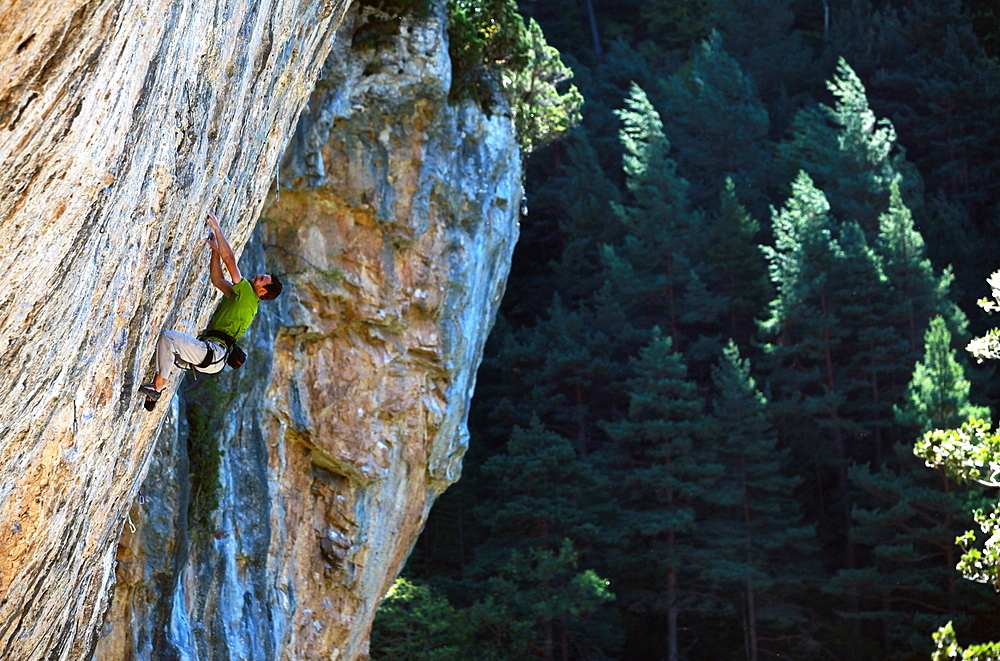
{"x":533,"y":594}
{"x":415,"y":623}
{"x":493,"y":52}
{"x":493,"y":55}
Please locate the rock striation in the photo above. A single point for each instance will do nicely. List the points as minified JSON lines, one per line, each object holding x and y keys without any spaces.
{"x":394,"y":225}
{"x":122,"y":122}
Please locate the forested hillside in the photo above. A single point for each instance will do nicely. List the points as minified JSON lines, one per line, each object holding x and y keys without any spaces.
{"x":742,"y":294}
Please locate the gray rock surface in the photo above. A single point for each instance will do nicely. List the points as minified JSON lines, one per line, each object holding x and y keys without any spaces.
{"x":394,"y":227}
{"x":122,"y":122}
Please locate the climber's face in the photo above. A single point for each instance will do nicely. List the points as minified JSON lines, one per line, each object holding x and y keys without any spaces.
{"x":259,"y":282}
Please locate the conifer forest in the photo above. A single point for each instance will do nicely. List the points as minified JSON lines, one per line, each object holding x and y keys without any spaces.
{"x":727,"y":410}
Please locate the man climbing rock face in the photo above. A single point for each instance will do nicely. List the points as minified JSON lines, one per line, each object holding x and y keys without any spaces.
{"x":208,"y":352}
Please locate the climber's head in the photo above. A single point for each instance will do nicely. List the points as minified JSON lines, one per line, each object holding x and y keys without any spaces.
{"x":267,"y":287}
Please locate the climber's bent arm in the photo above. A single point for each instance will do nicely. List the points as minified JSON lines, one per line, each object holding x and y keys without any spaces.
{"x":222,"y":250}
{"x":215,"y":269}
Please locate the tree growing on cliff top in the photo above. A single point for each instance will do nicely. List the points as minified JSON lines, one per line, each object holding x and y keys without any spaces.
{"x":493,"y":51}
{"x":541,"y":112}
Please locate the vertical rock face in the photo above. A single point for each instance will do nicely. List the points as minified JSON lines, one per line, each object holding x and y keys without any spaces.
{"x":394,"y":228}
{"x":122,"y":122}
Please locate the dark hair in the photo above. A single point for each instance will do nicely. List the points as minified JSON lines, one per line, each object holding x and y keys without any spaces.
{"x":272,"y":289}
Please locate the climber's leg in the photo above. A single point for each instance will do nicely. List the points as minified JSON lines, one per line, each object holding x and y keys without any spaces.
{"x":172,"y":345}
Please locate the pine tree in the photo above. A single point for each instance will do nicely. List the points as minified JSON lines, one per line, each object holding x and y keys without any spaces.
{"x":852,"y":156}
{"x":542,"y":501}
{"x":919,"y":292}
{"x":938,"y":393}
{"x":654,"y":271}
{"x":761,"y":36}
{"x":568,"y":369}
{"x":942,"y":91}
{"x":758,"y":548}
{"x":586,"y":196}
{"x":539,"y":605}
{"x":908,"y":586}
{"x":736,"y":267}
{"x":541,"y":492}
{"x":949,"y":118}
{"x":415,"y":622}
{"x":810,"y":346}
{"x":718,"y":126}
{"x":655,"y":457}
{"x":874,"y":361}
{"x":604,"y":86}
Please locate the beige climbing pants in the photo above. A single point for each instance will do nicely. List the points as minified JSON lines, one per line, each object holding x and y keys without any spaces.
{"x":188,"y":352}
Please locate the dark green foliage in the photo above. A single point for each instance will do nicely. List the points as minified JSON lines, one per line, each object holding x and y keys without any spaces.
{"x":485,"y":36}
{"x":907,"y":587}
{"x":830,"y":355}
{"x":734,"y":518}
{"x":657,"y":458}
{"x":760,"y":35}
{"x":942,"y":91}
{"x":541,"y":492}
{"x":655,"y":273}
{"x":675,"y":24}
{"x":567,"y":366}
{"x":854,"y":291}
{"x":737,"y":269}
{"x":759,"y":550}
{"x":416,"y":623}
{"x":586,"y":197}
{"x":718,"y":126}
{"x":538,"y":605}
{"x":919,"y":292}
{"x":852,"y":156}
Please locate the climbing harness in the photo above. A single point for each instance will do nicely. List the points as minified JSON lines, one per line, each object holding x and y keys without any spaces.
{"x":234,"y":355}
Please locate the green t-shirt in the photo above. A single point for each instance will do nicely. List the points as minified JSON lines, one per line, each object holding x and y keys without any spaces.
{"x":234,"y":314}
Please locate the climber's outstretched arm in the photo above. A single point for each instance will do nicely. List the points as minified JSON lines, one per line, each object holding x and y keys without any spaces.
{"x":221,"y":251}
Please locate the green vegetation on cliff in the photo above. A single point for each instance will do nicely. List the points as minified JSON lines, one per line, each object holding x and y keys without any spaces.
{"x":494,"y":54}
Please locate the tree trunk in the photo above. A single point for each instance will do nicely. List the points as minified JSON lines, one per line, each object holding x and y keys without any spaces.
{"x":751,"y":624}
{"x":672,"y":633}
{"x":594,"y":34}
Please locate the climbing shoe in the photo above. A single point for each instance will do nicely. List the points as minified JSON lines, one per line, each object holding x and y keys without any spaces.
{"x":151,"y":393}
{"x":149,"y":405}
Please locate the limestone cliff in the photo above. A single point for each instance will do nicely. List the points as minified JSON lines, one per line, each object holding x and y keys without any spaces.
{"x":394,"y":224}
{"x":122,"y":122}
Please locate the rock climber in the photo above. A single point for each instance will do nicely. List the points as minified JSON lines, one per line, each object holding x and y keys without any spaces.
{"x":209,"y":352}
